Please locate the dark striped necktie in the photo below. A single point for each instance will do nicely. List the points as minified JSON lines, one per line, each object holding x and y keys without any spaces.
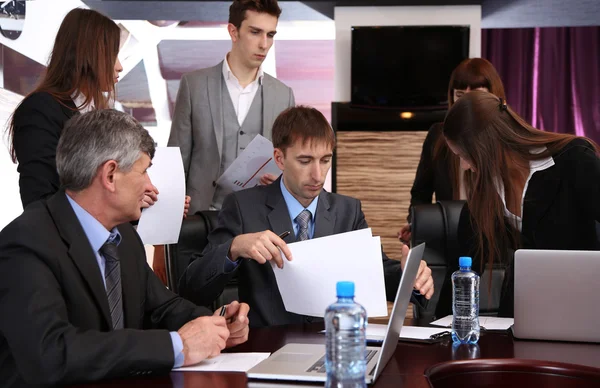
{"x":303,"y":219}
{"x":112,"y":276}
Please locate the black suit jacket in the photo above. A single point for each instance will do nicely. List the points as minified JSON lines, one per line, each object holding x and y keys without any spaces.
{"x":560,"y":211}
{"x":433,"y":175}
{"x":39,"y":121}
{"x":56,"y":327}
{"x":255,"y":210}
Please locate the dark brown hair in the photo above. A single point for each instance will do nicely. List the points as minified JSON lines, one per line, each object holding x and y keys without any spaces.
{"x":82,"y":59}
{"x":471,"y":73}
{"x":491,"y":137}
{"x":237,"y":9}
{"x":302,"y":123}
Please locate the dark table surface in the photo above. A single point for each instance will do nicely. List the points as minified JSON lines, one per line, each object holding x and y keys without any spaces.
{"x":577,"y":363}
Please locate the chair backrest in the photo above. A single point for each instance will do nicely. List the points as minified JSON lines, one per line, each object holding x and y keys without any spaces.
{"x":192,"y":239}
{"x":437,"y":225}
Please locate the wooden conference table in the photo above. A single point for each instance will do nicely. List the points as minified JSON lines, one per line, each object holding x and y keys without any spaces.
{"x":498,"y":360}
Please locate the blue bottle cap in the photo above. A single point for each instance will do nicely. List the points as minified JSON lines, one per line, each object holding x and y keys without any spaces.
{"x":345,"y":289}
{"x":465,"y":261}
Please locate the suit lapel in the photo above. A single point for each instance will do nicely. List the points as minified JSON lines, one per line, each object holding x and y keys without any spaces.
{"x":268,"y":107}
{"x":215,"y":101}
{"x":279,"y":216}
{"x":325,"y":219}
{"x":129,"y":280}
{"x":80,"y":250}
{"x":540,"y":196}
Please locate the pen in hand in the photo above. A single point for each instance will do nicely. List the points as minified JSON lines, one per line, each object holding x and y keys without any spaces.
{"x":223,"y":311}
{"x":284,"y":234}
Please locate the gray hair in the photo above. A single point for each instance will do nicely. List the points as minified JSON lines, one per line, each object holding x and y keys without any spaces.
{"x":93,"y":138}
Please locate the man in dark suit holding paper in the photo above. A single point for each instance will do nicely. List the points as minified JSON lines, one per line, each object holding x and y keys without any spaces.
{"x":251,"y":220}
{"x":79,"y":302}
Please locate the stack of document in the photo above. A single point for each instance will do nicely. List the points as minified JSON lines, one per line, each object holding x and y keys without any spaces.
{"x":308,"y":283}
{"x":487,"y":323}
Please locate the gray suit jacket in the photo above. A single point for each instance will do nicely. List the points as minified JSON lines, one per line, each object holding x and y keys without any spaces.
{"x":197,"y":127}
{"x":255,"y":210}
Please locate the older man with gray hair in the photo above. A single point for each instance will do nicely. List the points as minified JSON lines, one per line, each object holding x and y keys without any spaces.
{"x":79,"y":302}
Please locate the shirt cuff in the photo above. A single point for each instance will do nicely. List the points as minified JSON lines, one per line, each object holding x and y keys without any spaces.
{"x":177,"y":349}
{"x":230,"y":265}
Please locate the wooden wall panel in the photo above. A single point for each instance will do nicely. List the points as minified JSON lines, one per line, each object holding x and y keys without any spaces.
{"x":379,"y":169}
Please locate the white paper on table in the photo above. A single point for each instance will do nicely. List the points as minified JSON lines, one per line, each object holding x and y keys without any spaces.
{"x":161,"y":222}
{"x":246,"y":170}
{"x":489,"y":323}
{"x":307,"y":284}
{"x":377,"y":332}
{"x":226,"y":362}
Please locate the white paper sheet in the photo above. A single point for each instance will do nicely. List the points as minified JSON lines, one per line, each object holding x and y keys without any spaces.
{"x":489,"y":323}
{"x":161,"y":222}
{"x":308,"y":283}
{"x":227,"y":362}
{"x":376,"y":332}
{"x":246,"y":170}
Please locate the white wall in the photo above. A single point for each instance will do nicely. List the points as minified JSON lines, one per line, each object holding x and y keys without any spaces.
{"x":346,"y":17}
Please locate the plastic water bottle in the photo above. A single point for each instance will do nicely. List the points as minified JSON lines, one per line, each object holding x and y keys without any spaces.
{"x":345,"y":325}
{"x":465,"y":303}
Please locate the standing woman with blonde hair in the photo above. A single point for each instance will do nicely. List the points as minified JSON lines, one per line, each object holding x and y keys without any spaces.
{"x":81,"y":76}
{"x":528,"y":188}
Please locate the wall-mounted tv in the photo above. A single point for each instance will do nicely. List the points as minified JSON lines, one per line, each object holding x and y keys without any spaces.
{"x":405,"y":66}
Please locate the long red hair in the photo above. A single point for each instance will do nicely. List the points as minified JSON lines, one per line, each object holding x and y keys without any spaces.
{"x":491,"y":137}
{"x":82,"y":60}
{"x":471,"y":73}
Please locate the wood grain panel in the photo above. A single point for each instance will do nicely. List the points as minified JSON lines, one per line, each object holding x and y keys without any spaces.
{"x":379,"y":169}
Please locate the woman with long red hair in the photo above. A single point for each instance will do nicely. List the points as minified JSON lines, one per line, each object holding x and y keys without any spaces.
{"x":438,"y":172}
{"x":527,"y":188}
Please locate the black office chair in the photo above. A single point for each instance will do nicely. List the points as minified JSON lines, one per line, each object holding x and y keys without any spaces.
{"x":437,"y":226}
{"x":193,"y":238}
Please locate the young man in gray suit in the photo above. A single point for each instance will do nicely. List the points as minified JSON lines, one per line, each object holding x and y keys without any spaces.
{"x":219,"y":110}
{"x":251,"y":220}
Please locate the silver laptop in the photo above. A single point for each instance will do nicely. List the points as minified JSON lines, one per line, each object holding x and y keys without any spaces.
{"x":306,"y":362}
{"x":555,"y":295}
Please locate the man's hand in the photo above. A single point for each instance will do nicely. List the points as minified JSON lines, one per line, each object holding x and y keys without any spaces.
{"x":150,"y":197}
{"x":202,"y":338}
{"x":261,"y":247}
{"x":237,"y":322}
{"x":404,"y":234}
{"x":424,"y":281}
{"x":186,"y":205}
{"x":267,"y":179}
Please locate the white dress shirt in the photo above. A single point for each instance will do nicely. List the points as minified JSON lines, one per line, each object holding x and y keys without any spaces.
{"x":534,"y":165}
{"x":241,"y":97}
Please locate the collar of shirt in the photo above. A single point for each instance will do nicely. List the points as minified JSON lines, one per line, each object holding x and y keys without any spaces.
{"x":94,"y":230}
{"x":78,"y":100}
{"x":229,"y":76}
{"x":294,"y":207}
{"x":534,"y":166}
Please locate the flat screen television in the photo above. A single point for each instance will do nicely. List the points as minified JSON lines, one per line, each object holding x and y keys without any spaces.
{"x":405,"y":66}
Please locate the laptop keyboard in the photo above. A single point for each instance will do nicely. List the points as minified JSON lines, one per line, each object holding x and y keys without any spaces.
{"x":319,"y":366}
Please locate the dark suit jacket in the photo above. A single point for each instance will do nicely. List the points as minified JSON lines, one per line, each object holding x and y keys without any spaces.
{"x":56,"y":327}
{"x":39,"y":121}
{"x":255,"y":210}
{"x":560,"y":210}
{"x":433,"y":175}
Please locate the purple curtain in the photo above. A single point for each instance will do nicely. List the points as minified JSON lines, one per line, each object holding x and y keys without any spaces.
{"x":551,"y":75}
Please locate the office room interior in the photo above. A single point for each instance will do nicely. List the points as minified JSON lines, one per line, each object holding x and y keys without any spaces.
{"x":547,"y":54}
